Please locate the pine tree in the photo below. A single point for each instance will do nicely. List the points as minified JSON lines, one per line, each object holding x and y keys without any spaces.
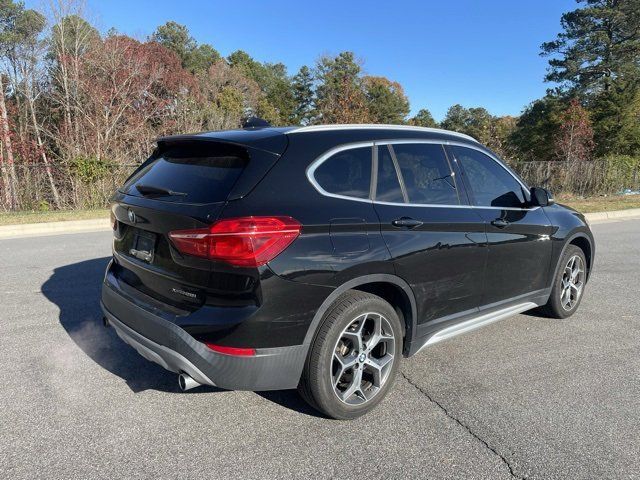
{"x":340,"y":93}
{"x":600,"y":43}
{"x":303,"y":95}
{"x":423,"y":119}
{"x":386,"y":100}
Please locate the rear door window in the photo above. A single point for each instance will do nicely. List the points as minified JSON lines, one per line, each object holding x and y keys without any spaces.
{"x":388,"y":188}
{"x":346,"y":173}
{"x":426,"y":173}
{"x":190,"y":173}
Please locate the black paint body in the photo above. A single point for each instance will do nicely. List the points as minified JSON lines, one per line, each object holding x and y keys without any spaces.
{"x":453,"y":265}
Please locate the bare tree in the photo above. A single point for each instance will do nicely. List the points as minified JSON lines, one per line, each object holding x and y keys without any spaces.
{"x":8,"y":169}
{"x":71,"y":37}
{"x":28,"y":49}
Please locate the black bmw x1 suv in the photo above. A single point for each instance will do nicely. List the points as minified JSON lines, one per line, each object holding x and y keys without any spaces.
{"x":318,"y":257}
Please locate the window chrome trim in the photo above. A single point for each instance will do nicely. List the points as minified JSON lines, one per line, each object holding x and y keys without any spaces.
{"x":311,"y":169}
{"x":349,"y":146}
{"x":438,"y":205}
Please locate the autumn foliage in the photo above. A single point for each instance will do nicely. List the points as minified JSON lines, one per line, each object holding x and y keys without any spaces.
{"x":574,"y":140}
{"x":79,"y":109}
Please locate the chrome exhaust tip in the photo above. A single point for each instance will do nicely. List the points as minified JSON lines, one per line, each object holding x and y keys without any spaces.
{"x":185,"y":382}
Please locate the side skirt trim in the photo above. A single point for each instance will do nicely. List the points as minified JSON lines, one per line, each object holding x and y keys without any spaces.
{"x":477,"y":322}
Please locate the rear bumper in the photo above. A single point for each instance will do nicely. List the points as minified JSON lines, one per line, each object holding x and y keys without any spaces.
{"x":154,"y":352}
{"x":165,"y":343}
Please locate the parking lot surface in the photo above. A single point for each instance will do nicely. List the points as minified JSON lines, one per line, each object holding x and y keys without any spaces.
{"x":527,"y":397}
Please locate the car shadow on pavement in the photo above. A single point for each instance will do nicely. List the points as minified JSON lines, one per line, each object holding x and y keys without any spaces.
{"x":536,"y":312}
{"x":292,"y":400}
{"x":75,"y":289}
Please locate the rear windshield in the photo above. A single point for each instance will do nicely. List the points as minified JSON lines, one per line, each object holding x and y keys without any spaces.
{"x":189,"y":173}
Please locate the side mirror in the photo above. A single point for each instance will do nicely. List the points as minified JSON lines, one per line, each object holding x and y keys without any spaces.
{"x":541,"y":197}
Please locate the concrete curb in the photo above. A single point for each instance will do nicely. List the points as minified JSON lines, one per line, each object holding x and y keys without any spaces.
{"x":598,"y":217}
{"x":54,"y":228}
{"x":102,"y":224}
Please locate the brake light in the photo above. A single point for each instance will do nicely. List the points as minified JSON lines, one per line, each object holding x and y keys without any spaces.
{"x":244,"y":242}
{"x":238,"y":352}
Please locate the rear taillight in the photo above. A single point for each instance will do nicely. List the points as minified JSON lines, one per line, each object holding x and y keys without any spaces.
{"x":245,"y":241}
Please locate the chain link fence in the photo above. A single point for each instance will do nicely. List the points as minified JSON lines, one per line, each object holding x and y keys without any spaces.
{"x":89,"y":185}
{"x":603,"y":176}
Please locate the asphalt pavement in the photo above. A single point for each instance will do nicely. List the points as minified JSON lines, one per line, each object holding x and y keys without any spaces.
{"x":527,"y":397}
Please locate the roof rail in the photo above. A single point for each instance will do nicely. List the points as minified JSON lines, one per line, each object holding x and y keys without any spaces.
{"x":356,"y":126}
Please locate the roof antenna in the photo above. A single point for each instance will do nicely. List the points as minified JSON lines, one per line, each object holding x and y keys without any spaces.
{"x":255,"y":122}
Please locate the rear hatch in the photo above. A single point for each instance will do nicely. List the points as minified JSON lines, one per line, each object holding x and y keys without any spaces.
{"x":183,"y":186}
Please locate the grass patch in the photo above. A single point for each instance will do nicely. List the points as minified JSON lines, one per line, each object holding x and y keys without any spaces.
{"x":17,"y":218}
{"x":601,"y":204}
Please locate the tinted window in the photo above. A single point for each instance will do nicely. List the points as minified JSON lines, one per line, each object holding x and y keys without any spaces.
{"x":346,"y":173}
{"x":490,"y":183}
{"x":426,"y":174}
{"x":388,"y":189}
{"x":198,"y":173}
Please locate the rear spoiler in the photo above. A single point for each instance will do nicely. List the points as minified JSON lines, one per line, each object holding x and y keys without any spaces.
{"x":267,"y":139}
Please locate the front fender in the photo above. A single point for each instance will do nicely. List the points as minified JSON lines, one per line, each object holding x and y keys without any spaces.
{"x":572,"y":227}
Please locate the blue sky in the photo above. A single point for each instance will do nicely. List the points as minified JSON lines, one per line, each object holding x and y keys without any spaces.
{"x":476,"y":53}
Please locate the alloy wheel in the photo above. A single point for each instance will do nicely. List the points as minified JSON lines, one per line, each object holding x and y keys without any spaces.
{"x":572,"y":282}
{"x":362,"y":358}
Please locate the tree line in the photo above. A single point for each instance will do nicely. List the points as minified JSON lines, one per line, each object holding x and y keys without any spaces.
{"x":79,"y":108}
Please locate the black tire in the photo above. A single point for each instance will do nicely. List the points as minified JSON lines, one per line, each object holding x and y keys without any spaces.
{"x":316,"y":385}
{"x":554,"y":307}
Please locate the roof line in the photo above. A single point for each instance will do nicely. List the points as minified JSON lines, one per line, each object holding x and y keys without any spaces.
{"x":355,"y":126}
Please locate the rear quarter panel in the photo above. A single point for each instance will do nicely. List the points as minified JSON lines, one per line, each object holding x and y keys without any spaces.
{"x":340,"y":239}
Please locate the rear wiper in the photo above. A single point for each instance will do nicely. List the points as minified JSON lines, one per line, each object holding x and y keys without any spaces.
{"x":153,"y":190}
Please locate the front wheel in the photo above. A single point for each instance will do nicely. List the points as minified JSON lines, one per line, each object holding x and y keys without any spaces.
{"x":354,"y":358}
{"x":568,"y":285}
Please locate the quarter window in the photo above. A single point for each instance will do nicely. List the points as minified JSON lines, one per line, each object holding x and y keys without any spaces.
{"x":491,"y":184}
{"x":426,"y":173}
{"x":346,"y":173}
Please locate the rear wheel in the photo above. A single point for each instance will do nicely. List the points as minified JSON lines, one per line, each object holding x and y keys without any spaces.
{"x":568,"y":286}
{"x":354,"y":358}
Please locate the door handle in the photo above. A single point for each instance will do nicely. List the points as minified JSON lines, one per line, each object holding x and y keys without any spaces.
{"x":406,"y":222}
{"x":500,"y":223}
